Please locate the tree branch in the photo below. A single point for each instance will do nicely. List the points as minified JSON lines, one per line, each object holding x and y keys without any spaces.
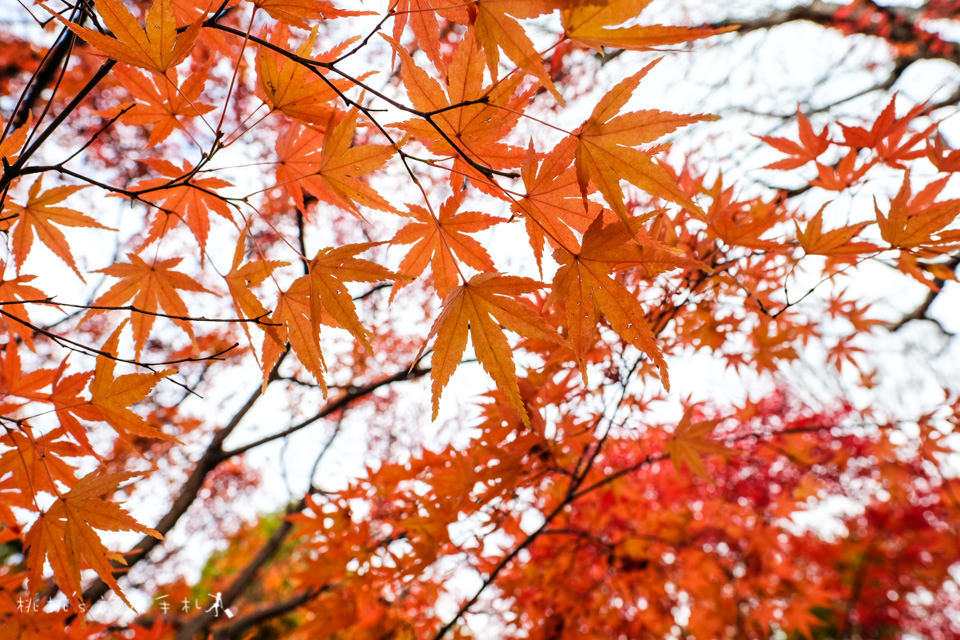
{"x":237,"y":628}
{"x":896,"y":25}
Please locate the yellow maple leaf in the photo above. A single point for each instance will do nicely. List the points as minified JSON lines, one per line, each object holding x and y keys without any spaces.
{"x":156,"y":46}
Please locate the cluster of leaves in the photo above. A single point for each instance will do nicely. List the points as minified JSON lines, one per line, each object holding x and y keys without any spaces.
{"x":577,"y":517}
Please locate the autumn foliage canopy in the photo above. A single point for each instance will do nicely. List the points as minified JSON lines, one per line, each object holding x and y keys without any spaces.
{"x":388,"y":319}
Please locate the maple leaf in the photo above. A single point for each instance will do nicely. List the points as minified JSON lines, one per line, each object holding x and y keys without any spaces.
{"x":810,"y":147}
{"x":845,"y":174}
{"x":440,"y":240}
{"x":912,"y":222}
{"x":155,"y":47}
{"x":926,"y":273}
{"x":943,"y":157}
{"x":606,"y":150}
{"x":14,"y":382}
{"x":18,"y":322}
{"x":844,"y":351}
{"x":341,"y":166}
{"x":299,"y":13}
{"x":329,"y":167}
{"x":835,"y":242}
{"x":290,"y":87}
{"x":38,"y":217}
{"x":297,"y":152}
{"x":161,"y":101}
{"x":152,"y":287}
{"x":690,"y":442}
{"x":189,"y":201}
{"x":291,"y":322}
{"x":329,"y":270}
{"x":886,"y":136}
{"x":37,"y":462}
{"x":65,"y":534}
{"x":742,"y":223}
{"x":495,"y":29}
{"x":70,"y":407}
{"x":12,"y":142}
{"x":241,"y":280}
{"x":112,"y":395}
{"x":583,"y":288}
{"x":553,"y":204}
{"x":474,"y":118}
{"x":319,"y":297}
{"x":421,"y":16}
{"x":595,"y":24}
{"x":477,"y":308}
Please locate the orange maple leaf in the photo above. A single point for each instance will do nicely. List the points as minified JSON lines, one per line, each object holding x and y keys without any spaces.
{"x":810,"y":147}
{"x":943,"y":157}
{"x":341,"y":166}
{"x":320,"y":297}
{"x":65,"y":534}
{"x":844,"y":174}
{"x":440,"y":240}
{"x":38,"y":217}
{"x":742,"y":223}
{"x":421,"y":16}
{"x":886,"y":135}
{"x":37,"y":462}
{"x":690,"y":442}
{"x":189,"y":201}
{"x":606,"y":150}
{"x":836,"y":242}
{"x":553,"y":203}
{"x":495,"y":28}
{"x":70,"y":407}
{"x":596,"y":25}
{"x":241,"y":280}
{"x":913,"y":222}
{"x":12,"y":143}
{"x":14,"y":382}
{"x":583,"y":288}
{"x":290,"y":87}
{"x":291,"y":323}
{"x":484,"y":117}
{"x":17,"y":321}
{"x":112,"y":396}
{"x":161,"y":101}
{"x":330,"y":167}
{"x":152,"y":287}
{"x":155,"y":47}
{"x":478,"y":308}
{"x":300,"y":13}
